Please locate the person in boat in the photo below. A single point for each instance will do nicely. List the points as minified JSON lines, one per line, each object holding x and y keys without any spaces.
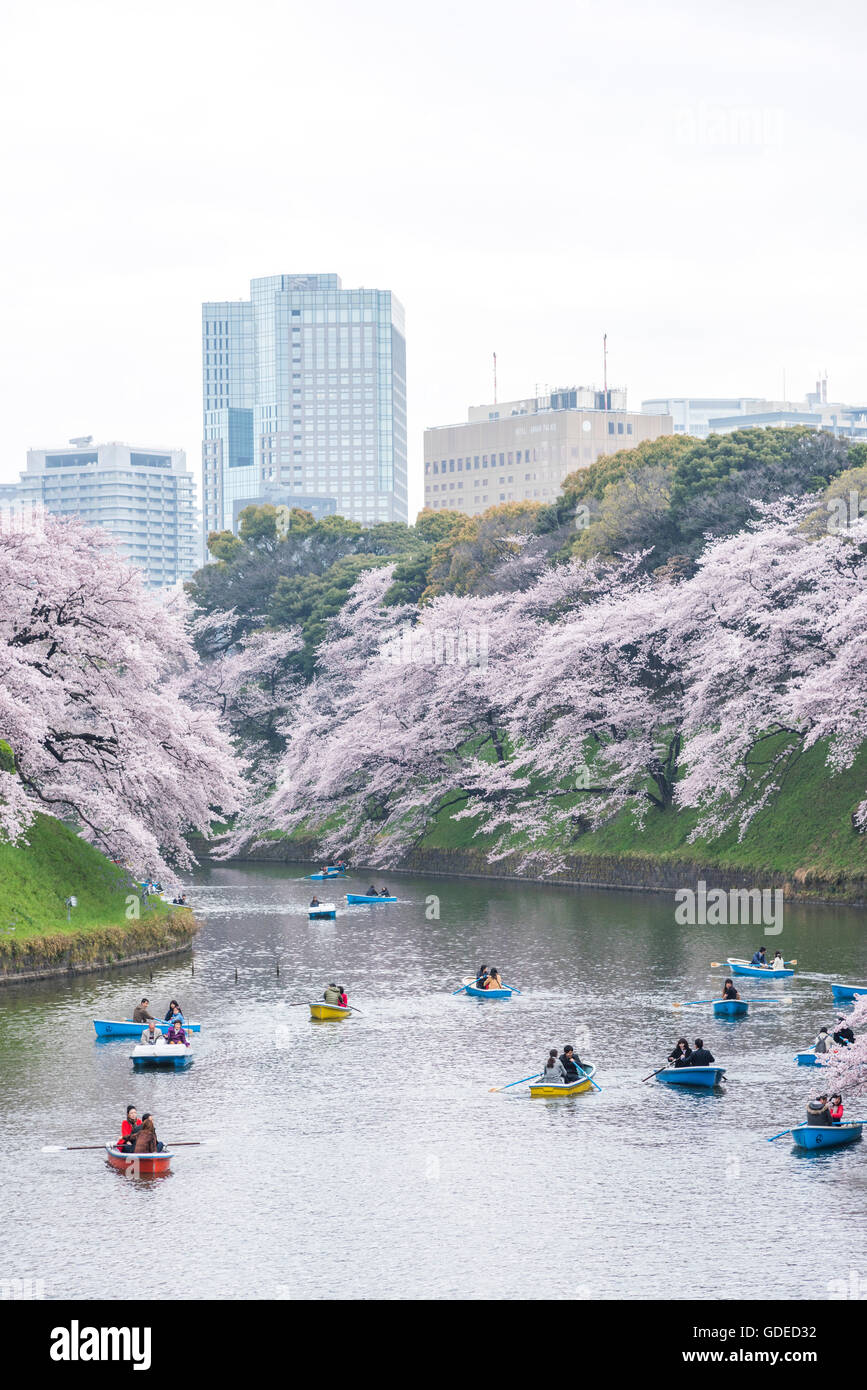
{"x":729,"y":991}
{"x":701,"y":1056}
{"x":151,"y":1034}
{"x":314,"y":901}
{"x":823,"y":1041}
{"x":760,"y":957}
{"x":572,"y":1064}
{"x":778,"y":963}
{"x":835,"y":1108}
{"x":176,"y":1034}
{"x":680,"y":1053}
{"x":384,"y":893}
{"x":332,"y":994}
{"x":343,"y":1001}
{"x":371,"y":892}
{"x":140,"y":1013}
{"x":844,"y":1035}
{"x":493,"y":981}
{"x":146,"y":1141}
{"x":553,"y":1072}
{"x":818,"y":1111}
{"x":173,"y":1012}
{"x":128,"y":1129}
{"x":481,"y":976}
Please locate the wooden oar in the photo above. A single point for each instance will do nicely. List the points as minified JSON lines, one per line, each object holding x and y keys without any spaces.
{"x":516,"y":1083}
{"x":658,"y":1070}
{"x":589,"y":1078}
{"x":80,"y":1148}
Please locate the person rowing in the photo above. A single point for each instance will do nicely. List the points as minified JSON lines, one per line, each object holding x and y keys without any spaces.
{"x":481,"y":977}
{"x":843,"y":1035}
{"x":493,"y":981}
{"x":371,"y":892}
{"x":384,"y":893}
{"x":818,"y":1111}
{"x":680,"y":1053}
{"x":823,"y":1041}
{"x":128,"y":1129}
{"x":140,"y":1013}
{"x":572,"y":1064}
{"x":760,"y":957}
{"x":553,"y":1073}
{"x":332,"y":995}
{"x":729,"y":991}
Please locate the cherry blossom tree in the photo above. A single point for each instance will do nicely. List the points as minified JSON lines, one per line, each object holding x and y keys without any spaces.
{"x":845,"y":1068}
{"x":92,"y":670}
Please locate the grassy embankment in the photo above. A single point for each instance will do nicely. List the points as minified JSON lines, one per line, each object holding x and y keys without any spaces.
{"x":35,"y":880}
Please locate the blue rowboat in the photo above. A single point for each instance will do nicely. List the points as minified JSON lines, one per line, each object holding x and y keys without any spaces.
{"x":825,"y":1136}
{"x":841,"y":992}
{"x":730,"y":1008}
{"x":488,"y":993}
{"x":692,"y":1076}
{"x":760,"y":972}
{"x":330,"y":873}
{"x":172,"y":1056}
{"x":807,"y":1058}
{"x":366,"y":898}
{"x":125,"y":1028}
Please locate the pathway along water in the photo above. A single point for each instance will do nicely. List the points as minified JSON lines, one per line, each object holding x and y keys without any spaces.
{"x":369,"y":1158}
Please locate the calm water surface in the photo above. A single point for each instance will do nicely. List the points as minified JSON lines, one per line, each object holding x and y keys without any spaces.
{"x":369,"y":1159}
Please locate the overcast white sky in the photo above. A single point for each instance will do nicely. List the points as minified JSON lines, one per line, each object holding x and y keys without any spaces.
{"x":688,"y":178}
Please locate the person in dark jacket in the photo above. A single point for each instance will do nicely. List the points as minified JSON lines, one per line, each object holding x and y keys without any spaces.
{"x":844,"y":1034}
{"x":680,"y":1053}
{"x":760,"y":957}
{"x":174,"y":1010}
{"x":701,"y":1056}
{"x":145,"y":1141}
{"x":140,"y":1012}
{"x":729,"y":991}
{"x":572,"y":1064}
{"x":818,"y":1111}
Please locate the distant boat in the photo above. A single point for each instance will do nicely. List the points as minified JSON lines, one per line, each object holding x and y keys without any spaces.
{"x":321,"y":911}
{"x":730,"y":1008}
{"x":691,"y":1076}
{"x":762,"y":972}
{"x":841,"y":992}
{"x":573,"y":1088}
{"x":325,"y":1011}
{"x":330,"y":873}
{"x":807,"y":1058}
{"x":367,"y":898}
{"x":171,"y":1055}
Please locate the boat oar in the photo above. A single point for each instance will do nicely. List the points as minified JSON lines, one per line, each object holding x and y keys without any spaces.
{"x":80,"y":1148}
{"x":516,"y":1083}
{"x":781,"y":1134}
{"x":687,"y":1002}
{"x":783,"y":999}
{"x":511,"y":987}
{"x":353,"y":1010}
{"x":459,"y":991}
{"x":656,"y":1073}
{"x":589,"y":1078}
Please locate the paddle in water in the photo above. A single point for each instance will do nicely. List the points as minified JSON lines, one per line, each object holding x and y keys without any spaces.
{"x":534,"y":1077}
{"x":88,"y":1148}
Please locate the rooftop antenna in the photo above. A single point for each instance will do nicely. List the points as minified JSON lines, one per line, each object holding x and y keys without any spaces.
{"x":605,"y":371}
{"x":495,"y":378}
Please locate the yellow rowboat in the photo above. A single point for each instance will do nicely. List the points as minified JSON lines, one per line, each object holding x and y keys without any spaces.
{"x":574,"y":1089}
{"x":328,"y":1011}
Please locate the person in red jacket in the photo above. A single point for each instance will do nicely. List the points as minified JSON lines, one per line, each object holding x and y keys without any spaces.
{"x":127,"y":1129}
{"x":835,"y":1108}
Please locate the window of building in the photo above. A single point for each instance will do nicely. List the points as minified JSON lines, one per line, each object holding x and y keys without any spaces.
{"x":610,"y":426}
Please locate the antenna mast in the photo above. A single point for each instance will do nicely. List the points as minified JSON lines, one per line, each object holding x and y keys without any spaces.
{"x":495,"y":378}
{"x":605,"y":370}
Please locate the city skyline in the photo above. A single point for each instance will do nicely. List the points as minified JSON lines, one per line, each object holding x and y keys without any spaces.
{"x":532,"y":196}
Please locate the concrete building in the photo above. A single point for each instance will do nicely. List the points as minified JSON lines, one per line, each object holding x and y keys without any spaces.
{"x":522,"y":450}
{"x":700,"y":416}
{"x":304,"y":396}
{"x":143,"y":497}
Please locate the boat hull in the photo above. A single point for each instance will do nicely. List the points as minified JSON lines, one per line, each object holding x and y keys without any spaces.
{"x":488,"y":993}
{"x":364,"y":898}
{"x":825,"y":1136}
{"x":334,"y":873}
{"x":841,"y":992}
{"x":807,"y":1058}
{"x":125,"y":1028}
{"x":328,"y":1011}
{"x":758,"y":972}
{"x":692,"y":1076}
{"x":322,"y":914}
{"x":575,"y":1089}
{"x":139,"y":1165}
{"x":730,"y":1008}
{"x":172,"y":1057}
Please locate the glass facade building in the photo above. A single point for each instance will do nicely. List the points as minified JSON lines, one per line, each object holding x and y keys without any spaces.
{"x":143,"y":497}
{"x":304,"y":396}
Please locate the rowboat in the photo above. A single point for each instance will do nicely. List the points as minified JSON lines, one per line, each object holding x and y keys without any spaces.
{"x":322,"y":911}
{"x":322,"y":1011}
{"x":825,"y":1136}
{"x":330,"y":873}
{"x":367,"y":898}
{"x":488,"y":993}
{"x":140,"y":1165}
{"x":691,"y":1076}
{"x":125,"y":1028}
{"x":730,"y":1008}
{"x":807,"y":1058}
{"x":172,"y":1055}
{"x":842,"y":992}
{"x":573,"y":1089}
{"x":743,"y":967}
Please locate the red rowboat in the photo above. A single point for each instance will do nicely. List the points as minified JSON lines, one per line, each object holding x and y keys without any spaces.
{"x":139,"y":1165}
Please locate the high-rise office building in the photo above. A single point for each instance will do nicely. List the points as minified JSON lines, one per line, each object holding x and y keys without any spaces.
{"x":700,"y":416}
{"x":519,"y":451}
{"x":304,"y":401}
{"x":143,"y":497}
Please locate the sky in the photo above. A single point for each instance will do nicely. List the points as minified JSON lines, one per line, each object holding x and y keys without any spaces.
{"x":525,"y":178}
